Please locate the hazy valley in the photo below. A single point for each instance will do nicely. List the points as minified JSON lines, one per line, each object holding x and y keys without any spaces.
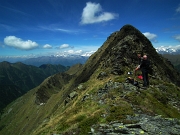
{"x":17,"y":78}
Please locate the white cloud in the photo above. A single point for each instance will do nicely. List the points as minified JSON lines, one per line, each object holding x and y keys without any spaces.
{"x":19,"y":43}
{"x":66,"y":30}
{"x":47,"y":46}
{"x":64,"y":46}
{"x":167,"y":48}
{"x":88,"y":53}
{"x":177,"y":37}
{"x":92,"y":13}
{"x":151,"y":36}
{"x":79,"y":51}
{"x":74,"y":52}
{"x":56,"y":28}
{"x":178,"y":9}
{"x":177,"y":47}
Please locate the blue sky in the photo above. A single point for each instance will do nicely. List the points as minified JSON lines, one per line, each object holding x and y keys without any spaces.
{"x":30,"y":28}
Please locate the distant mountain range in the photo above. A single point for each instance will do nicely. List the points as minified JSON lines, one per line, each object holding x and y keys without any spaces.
{"x":18,"y":78}
{"x":168,"y":49}
{"x":172,"y":53}
{"x":68,"y":60}
{"x":65,"y":60}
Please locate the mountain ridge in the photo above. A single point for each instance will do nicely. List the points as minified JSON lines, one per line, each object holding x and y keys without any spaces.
{"x":98,"y":94}
{"x":18,"y":78}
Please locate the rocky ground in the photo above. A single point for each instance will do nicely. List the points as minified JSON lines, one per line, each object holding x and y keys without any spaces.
{"x":139,"y":123}
{"x":146,"y":125}
{"x":143,"y":125}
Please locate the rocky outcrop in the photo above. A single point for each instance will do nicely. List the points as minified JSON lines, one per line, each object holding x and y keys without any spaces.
{"x":70,"y":97}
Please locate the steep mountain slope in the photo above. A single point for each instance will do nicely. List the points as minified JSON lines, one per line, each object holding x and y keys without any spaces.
{"x":18,"y":78}
{"x":49,"y":69}
{"x":97,"y":97}
{"x":178,"y":68}
{"x":74,"y":69}
{"x":174,"y":59}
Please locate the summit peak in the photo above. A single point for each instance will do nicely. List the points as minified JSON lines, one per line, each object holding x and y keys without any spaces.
{"x":118,"y":54}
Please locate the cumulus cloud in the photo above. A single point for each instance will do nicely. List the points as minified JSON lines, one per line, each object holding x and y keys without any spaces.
{"x":64,"y":46}
{"x":177,"y":37}
{"x":47,"y":46}
{"x":92,"y":13}
{"x":151,"y":36}
{"x":178,"y":9}
{"x":19,"y":43}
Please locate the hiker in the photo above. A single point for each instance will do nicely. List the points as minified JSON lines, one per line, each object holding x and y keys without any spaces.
{"x":139,"y":58}
{"x":144,"y":66}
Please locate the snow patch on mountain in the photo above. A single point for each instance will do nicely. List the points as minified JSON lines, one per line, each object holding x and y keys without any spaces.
{"x":168,"y":49}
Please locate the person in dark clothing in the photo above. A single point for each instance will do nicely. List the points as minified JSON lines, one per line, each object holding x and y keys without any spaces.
{"x":144,"y":66}
{"x":139,"y":58}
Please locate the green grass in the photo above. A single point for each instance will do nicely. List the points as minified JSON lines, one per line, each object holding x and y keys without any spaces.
{"x":153,"y":101}
{"x":80,"y":116}
{"x":87,"y":123}
{"x":118,"y":113}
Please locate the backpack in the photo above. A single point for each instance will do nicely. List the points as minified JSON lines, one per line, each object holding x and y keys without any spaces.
{"x":132,"y":81}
